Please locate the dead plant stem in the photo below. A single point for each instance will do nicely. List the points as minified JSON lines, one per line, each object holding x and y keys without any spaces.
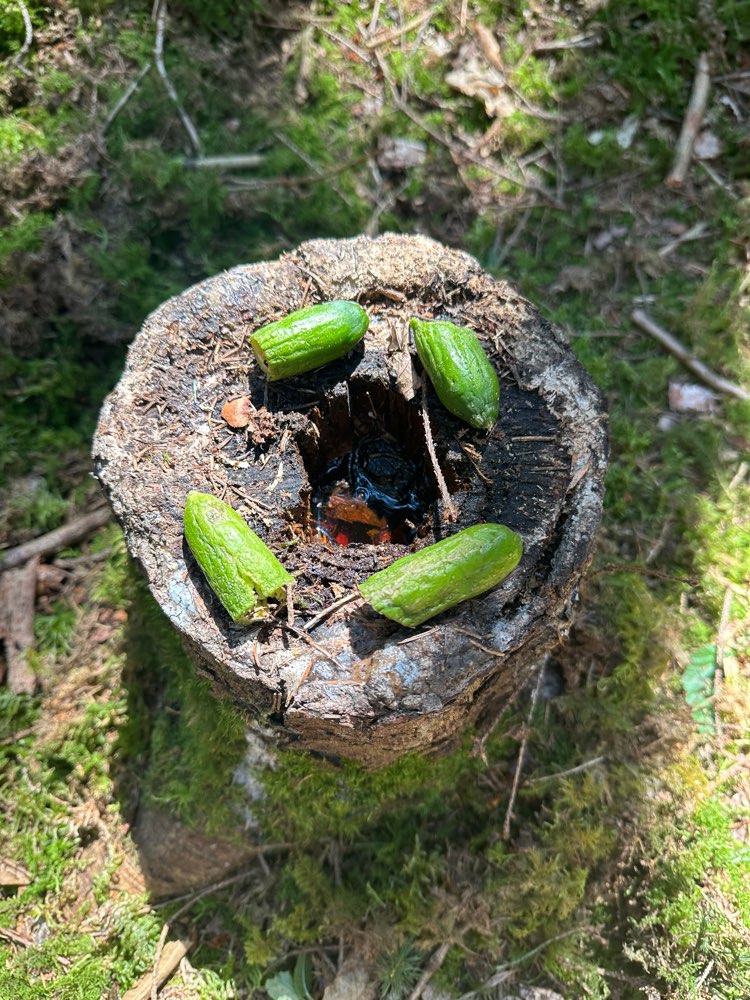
{"x":645,"y":322}
{"x":521,"y":756}
{"x":691,"y":123}
{"x":19,"y":57}
{"x":160,"y":16}
{"x":449,"y":511}
{"x":125,"y":97}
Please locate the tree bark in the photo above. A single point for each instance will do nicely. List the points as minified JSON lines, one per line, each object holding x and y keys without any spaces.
{"x":367,"y":689}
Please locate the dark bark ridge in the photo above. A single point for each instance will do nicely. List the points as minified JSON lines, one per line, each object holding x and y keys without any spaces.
{"x":369,"y":689}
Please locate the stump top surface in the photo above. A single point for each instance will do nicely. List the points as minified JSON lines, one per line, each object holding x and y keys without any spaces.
{"x":364,"y":687}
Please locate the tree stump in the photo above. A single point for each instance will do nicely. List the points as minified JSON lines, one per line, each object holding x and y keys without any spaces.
{"x":364,"y":688}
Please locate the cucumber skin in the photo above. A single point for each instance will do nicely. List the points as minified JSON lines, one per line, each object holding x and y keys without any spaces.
{"x":420,"y":586}
{"x":308,"y":338}
{"x":239,"y":566}
{"x":459,"y":369}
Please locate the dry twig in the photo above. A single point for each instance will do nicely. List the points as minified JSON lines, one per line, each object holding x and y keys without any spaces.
{"x":62,"y":537}
{"x":435,"y":961}
{"x":19,"y":57}
{"x":644,"y":322}
{"x":521,"y":756}
{"x":125,"y":97}
{"x":449,"y":511}
{"x":322,"y":615}
{"x":571,"y":770}
{"x":691,"y":124}
{"x":17,"y":601}
{"x":229,"y":161}
{"x":390,"y":35}
{"x":160,"y":16}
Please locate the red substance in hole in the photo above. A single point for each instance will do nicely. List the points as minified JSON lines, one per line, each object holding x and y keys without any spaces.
{"x":368,"y":496}
{"x":345,"y":519}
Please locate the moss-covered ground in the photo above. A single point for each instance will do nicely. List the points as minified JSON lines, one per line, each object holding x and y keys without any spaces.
{"x":627,"y":868}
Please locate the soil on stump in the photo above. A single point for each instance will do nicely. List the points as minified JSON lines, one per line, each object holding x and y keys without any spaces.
{"x":364,"y":687}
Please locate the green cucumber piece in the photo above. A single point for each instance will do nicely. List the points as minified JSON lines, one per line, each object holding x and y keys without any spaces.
{"x":464,"y":380}
{"x":308,"y":338}
{"x":239,"y":567}
{"x":420,"y":586}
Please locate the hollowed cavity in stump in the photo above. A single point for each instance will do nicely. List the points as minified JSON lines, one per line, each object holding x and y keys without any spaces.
{"x":364,"y":687}
{"x":369,"y":482}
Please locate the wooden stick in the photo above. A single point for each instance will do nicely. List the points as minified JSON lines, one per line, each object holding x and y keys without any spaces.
{"x":134,"y":84}
{"x":29,"y":28}
{"x":168,"y":958}
{"x":449,"y":510}
{"x":230,"y":161}
{"x":521,"y":755}
{"x":374,"y":19}
{"x":673,"y":345}
{"x":435,"y":961}
{"x":462,"y":16}
{"x":389,"y":35}
{"x":53,"y":541}
{"x":691,"y":124}
{"x":17,"y":602}
{"x":571,"y":770}
{"x":160,"y":16}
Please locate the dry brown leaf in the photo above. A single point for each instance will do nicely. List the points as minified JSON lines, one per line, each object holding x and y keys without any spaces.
{"x":11,"y":873}
{"x":474,"y":78}
{"x":237,"y":411}
{"x":405,"y":374}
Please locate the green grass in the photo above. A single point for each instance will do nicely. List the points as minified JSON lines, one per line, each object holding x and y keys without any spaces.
{"x":629,"y":868}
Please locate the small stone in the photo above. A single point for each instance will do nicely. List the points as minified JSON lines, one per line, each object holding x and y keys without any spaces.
{"x":708,"y":146}
{"x":401,"y":154}
{"x":685,"y":397}
{"x":236,"y":412}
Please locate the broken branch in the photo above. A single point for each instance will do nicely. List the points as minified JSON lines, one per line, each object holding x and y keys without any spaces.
{"x":449,"y":511}
{"x":160,"y":16}
{"x":691,"y":124}
{"x":230,"y":161}
{"x":17,"y":602}
{"x":62,"y":537}
{"x":167,"y":960}
{"x":28,"y":27}
{"x":644,"y":322}
{"x":522,"y":755}
{"x":130,"y":90}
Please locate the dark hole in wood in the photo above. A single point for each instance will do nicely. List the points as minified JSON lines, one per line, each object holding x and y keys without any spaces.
{"x":366,"y":466}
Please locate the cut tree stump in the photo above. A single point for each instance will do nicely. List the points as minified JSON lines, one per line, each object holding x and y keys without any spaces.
{"x":365,"y":688}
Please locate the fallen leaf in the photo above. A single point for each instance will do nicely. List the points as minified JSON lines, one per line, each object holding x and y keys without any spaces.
{"x":475,"y":78}
{"x":11,"y":873}
{"x":403,"y":370}
{"x":576,"y":277}
{"x":627,"y":131}
{"x":237,"y":411}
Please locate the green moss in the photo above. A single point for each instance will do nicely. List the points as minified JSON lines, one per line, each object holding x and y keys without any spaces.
{"x":696,"y":907}
{"x":26,"y":234}
{"x":54,"y":631}
{"x":182,"y":742}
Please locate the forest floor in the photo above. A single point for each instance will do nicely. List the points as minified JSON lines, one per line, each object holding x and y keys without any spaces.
{"x":543,"y":139}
